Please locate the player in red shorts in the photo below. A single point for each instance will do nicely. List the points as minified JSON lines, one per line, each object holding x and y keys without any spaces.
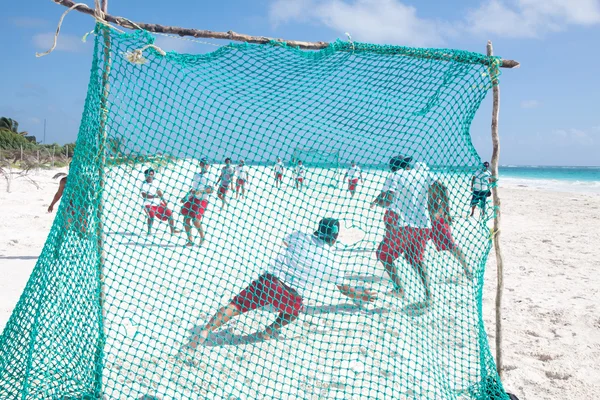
{"x":225,"y":180}
{"x":155,"y":205}
{"x":278,"y":169}
{"x":354,"y":174}
{"x":305,"y":263}
{"x":196,"y":202}
{"x":241,"y":172}
{"x":441,"y":232}
{"x":406,"y":195}
{"x":299,"y":173}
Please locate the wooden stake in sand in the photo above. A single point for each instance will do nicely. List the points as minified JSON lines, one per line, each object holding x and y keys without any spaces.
{"x":100,"y":10}
{"x":497,"y":210}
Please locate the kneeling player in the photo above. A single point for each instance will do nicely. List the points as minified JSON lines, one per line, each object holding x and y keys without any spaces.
{"x":306,"y":262}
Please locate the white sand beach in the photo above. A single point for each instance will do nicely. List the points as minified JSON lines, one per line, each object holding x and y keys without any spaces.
{"x":551,"y":308}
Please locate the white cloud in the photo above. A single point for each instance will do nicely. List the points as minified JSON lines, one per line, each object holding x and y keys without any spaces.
{"x":393,"y":21}
{"x":375,"y":21}
{"x":29,"y":22}
{"x":528,"y":104}
{"x":572,"y":136}
{"x":169,"y":43}
{"x":531,"y":18}
{"x":66,"y":42}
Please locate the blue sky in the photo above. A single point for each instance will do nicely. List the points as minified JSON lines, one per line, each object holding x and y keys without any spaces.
{"x":549,"y":106}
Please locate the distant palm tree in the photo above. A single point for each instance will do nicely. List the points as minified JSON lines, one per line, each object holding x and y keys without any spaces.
{"x":11,"y":125}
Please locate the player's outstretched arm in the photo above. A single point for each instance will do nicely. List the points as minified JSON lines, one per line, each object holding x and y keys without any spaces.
{"x":353,"y":293}
{"x":58,"y":194}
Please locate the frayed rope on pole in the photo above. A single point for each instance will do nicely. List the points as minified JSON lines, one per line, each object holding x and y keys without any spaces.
{"x":98,"y":15}
{"x":135,"y":56}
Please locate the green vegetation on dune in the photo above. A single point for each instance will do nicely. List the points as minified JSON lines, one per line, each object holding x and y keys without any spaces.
{"x":15,"y":144}
{"x":11,"y":140}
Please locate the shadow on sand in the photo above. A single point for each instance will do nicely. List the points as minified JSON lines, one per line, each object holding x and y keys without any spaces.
{"x":227,"y":338}
{"x":19,"y":257}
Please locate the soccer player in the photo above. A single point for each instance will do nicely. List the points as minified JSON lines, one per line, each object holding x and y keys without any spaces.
{"x":354,"y":174}
{"x":225,"y":180}
{"x":241,"y":171}
{"x":278,"y":169}
{"x":299,"y":173}
{"x":196,"y":202}
{"x":76,"y":206}
{"x":306,"y":262}
{"x":480,"y":185}
{"x":73,"y":209}
{"x":59,"y":192}
{"x":154,"y":202}
{"x":405,"y":195}
{"x":441,"y":232}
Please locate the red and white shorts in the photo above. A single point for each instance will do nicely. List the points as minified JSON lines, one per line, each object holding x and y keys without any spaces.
{"x":194,"y":208}
{"x":406,"y":240}
{"x":300,"y":180}
{"x":390,"y":220}
{"x":159,"y":211}
{"x":352,"y":183}
{"x":240,"y":182}
{"x":441,"y":235}
{"x":267,"y":289}
{"x":278,"y":176}
{"x":223,"y":189}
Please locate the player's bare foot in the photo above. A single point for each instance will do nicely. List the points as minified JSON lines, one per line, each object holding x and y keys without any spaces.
{"x":197,"y":340}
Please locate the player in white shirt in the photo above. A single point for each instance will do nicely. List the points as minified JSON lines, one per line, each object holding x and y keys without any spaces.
{"x":405,"y":195}
{"x":155,"y":205}
{"x":299,"y":173}
{"x":196,"y":202}
{"x":278,"y":169}
{"x":241,"y":172}
{"x":305,"y":263}
{"x":225,"y":180}
{"x":480,"y":185}
{"x":354,"y":174}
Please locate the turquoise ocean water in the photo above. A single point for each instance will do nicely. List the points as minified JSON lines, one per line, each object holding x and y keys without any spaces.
{"x":570,"y":179}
